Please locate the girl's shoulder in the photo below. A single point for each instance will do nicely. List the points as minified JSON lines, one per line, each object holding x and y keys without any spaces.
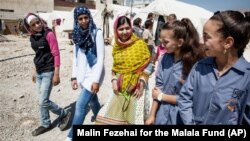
{"x":204,"y":64}
{"x":97,"y":32}
{"x":206,"y":61}
{"x":48,"y":32}
{"x":166,"y":57}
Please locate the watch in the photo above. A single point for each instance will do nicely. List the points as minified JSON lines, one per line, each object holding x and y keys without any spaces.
{"x":159,"y":97}
{"x":73,"y":78}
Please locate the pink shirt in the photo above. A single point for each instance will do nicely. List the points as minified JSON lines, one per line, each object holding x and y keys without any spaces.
{"x":54,"y":49}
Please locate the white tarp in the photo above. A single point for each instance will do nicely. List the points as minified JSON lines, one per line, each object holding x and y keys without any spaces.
{"x":117,"y":11}
{"x":49,"y":17}
{"x":195,"y":13}
{"x":67,"y":19}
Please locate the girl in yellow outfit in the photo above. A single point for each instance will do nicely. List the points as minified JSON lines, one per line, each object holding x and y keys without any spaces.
{"x":130,"y":102}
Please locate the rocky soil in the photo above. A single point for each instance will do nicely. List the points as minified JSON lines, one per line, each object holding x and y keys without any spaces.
{"x":19,"y":113}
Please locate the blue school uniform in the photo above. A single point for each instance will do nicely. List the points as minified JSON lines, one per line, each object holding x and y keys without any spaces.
{"x":207,"y":98}
{"x":168,"y":77}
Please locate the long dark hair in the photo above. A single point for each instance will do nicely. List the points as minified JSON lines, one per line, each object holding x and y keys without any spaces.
{"x":122,"y":20}
{"x":27,"y":26}
{"x":236,"y":25}
{"x":190,"y":51}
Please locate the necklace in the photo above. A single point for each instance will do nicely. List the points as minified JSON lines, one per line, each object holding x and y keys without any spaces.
{"x":220,"y":73}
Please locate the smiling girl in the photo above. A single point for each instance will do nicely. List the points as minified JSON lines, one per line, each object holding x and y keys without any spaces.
{"x":181,"y":41}
{"x":47,"y":63}
{"x":217,"y":90}
{"x":128,"y":104}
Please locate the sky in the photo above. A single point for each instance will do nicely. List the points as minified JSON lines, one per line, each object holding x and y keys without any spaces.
{"x":215,"y":5}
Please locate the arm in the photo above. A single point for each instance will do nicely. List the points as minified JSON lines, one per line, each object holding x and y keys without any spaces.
{"x":145,"y":36}
{"x":246,"y":114}
{"x":151,"y":119}
{"x":114,"y":83}
{"x":159,"y":75}
{"x":33,"y":75}
{"x":74,"y":84}
{"x":98,"y":67}
{"x":73,"y":75}
{"x":51,"y":38}
{"x":155,"y":104}
{"x":156,"y":55}
{"x":54,"y":49}
{"x":185,"y":99}
{"x":169,"y":99}
{"x":56,"y":77}
{"x":143,"y":79}
{"x":165,"y":97}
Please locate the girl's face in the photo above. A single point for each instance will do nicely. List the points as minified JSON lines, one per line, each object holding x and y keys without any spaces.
{"x":213,"y":41}
{"x":172,"y":45}
{"x":124,"y":32}
{"x":83,"y":21}
{"x":36,"y":25}
{"x":171,"y":19}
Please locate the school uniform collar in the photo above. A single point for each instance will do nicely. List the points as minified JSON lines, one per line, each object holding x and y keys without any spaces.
{"x":172,"y":57}
{"x":207,"y":61}
{"x":241,"y":64}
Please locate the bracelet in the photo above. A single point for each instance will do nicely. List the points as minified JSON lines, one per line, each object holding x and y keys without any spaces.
{"x":73,"y":78}
{"x":142,"y":80}
{"x":114,"y":77}
{"x":113,"y":80}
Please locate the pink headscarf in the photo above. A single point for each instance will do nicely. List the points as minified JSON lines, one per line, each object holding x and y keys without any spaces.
{"x":117,"y":40}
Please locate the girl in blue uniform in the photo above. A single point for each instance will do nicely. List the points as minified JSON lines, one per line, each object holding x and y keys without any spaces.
{"x":217,"y":89}
{"x":181,"y":41}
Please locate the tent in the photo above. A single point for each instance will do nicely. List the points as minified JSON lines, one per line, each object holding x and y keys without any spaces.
{"x":49,"y":17}
{"x":196,"y":14}
{"x":97,"y":14}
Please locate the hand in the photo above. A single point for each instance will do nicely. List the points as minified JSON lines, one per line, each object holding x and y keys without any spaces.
{"x":95,"y":88}
{"x":150,"y":120}
{"x":33,"y":78}
{"x":139,"y":91}
{"x":74,"y":84}
{"x":155,"y":92}
{"x":56,"y":79}
{"x":182,"y":81}
{"x":115,"y":87}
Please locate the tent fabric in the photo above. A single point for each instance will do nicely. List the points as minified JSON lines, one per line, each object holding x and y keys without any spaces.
{"x":180,"y":9}
{"x":196,"y":14}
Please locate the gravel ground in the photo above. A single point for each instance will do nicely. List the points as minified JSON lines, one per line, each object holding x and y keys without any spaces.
{"x":19,"y":113}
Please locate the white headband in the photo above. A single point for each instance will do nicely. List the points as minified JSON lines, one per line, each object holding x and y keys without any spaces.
{"x":30,"y":18}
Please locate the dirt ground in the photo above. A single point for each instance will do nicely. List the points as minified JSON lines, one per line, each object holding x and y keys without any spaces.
{"x":19,"y":113}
